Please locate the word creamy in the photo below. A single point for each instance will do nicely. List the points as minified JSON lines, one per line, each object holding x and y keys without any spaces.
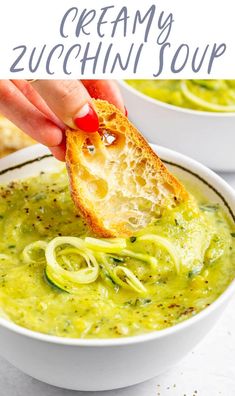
{"x":113,"y":39}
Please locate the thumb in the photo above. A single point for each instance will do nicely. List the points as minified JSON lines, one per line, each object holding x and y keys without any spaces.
{"x":70,"y":101}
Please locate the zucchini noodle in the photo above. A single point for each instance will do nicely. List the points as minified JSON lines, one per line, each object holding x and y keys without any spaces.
{"x":121,"y":275}
{"x":111,"y":246}
{"x":196,"y":100}
{"x":125,"y":278}
{"x":63,"y":278}
{"x":165,"y":244}
{"x":142,"y":257}
{"x":27,"y":252}
{"x":72,"y":261}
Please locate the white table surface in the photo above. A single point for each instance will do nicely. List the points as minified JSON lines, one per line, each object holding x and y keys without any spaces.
{"x":209,"y":370}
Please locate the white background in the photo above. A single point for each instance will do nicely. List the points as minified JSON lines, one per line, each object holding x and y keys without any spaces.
{"x":35,"y":23}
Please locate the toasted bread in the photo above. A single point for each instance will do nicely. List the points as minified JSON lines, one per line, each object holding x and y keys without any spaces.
{"x":117,"y":181}
{"x":11,"y":137}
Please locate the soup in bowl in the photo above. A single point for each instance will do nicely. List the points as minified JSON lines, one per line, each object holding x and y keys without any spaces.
{"x":194,"y":117}
{"x":202,"y":95}
{"x":145,"y":300}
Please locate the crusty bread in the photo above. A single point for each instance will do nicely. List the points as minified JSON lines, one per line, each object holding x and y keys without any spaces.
{"x":11,"y":137}
{"x":117,"y":181}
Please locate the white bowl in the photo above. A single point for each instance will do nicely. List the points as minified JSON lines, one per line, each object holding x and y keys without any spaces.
{"x":100,"y":364}
{"x":205,"y":136}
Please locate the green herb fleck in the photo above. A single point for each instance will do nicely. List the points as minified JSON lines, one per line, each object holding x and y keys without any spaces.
{"x":209,"y":207}
{"x":194,"y":272}
{"x":118,"y":259}
{"x":38,"y":197}
{"x":138,"y":302}
{"x":133,"y":239}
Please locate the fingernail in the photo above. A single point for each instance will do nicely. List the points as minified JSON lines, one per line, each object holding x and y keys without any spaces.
{"x":126,"y":112}
{"x":87,"y":119}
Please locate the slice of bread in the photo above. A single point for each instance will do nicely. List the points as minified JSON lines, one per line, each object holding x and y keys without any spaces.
{"x":117,"y":181}
{"x":11,"y":137}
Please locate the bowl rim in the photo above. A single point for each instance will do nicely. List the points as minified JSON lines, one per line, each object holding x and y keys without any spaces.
{"x":36,"y":153}
{"x":175,"y":108}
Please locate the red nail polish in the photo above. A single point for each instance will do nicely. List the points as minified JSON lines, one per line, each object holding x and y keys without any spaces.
{"x":126,"y":112}
{"x":88,"y":122}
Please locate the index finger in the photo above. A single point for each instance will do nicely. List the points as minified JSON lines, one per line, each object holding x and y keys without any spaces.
{"x":106,"y":90}
{"x":68,"y":99}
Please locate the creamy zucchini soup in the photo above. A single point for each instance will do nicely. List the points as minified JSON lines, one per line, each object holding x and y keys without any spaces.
{"x":204,"y":95}
{"x":58,"y":279}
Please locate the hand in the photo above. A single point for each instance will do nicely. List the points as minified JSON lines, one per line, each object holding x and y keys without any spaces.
{"x":43,"y":108}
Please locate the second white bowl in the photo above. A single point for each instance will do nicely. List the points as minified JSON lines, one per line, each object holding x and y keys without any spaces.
{"x":205,"y":136}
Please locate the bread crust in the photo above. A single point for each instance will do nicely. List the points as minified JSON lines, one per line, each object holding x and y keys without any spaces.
{"x":82,"y":172}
